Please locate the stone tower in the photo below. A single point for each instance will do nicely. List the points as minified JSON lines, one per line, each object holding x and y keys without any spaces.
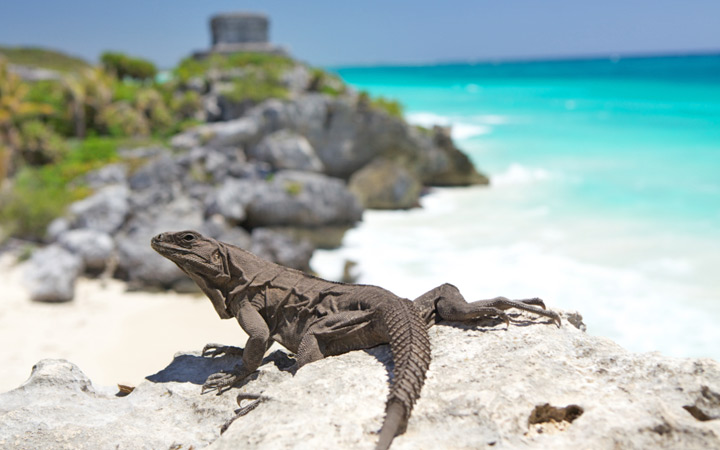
{"x":240,"y":32}
{"x":239,"y":28}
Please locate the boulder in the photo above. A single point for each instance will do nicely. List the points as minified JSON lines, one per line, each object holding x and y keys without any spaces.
{"x":139,"y":263}
{"x":231,"y":199}
{"x":51,"y":273}
{"x":454,"y":168}
{"x":232,"y":133}
{"x":384,"y":184}
{"x":282,"y":249}
{"x":110,"y":174}
{"x":532,"y":385}
{"x":302,"y":199}
{"x":217,"y":227}
{"x":347,"y":134}
{"x":287,"y":150}
{"x":95,"y":248}
{"x":288,"y":198}
{"x":105,"y":210}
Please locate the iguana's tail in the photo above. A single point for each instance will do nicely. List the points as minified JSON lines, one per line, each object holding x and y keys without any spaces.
{"x":410,"y":346}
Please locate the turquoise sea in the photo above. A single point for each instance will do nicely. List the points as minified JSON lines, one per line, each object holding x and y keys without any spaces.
{"x":604,"y":196}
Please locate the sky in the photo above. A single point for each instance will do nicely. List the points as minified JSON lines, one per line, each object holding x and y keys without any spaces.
{"x":334,"y":33}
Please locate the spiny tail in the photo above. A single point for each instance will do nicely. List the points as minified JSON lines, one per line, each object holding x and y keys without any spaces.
{"x":410,"y":346}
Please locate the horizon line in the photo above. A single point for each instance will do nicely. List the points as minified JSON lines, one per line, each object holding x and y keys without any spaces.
{"x":530,"y":59}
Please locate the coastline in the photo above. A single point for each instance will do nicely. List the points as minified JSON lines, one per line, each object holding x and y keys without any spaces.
{"x":489,"y":246}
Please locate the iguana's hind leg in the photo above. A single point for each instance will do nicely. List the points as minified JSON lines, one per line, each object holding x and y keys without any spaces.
{"x":445,"y":302}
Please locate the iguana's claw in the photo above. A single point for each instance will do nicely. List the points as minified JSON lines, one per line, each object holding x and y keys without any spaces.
{"x":213,"y":350}
{"x":505,"y":318}
{"x":535,"y":302}
{"x":555,"y":317}
{"x":220,"y":380}
{"x":243,"y":409}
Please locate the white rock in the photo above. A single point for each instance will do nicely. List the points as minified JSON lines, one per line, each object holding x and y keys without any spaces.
{"x":94,"y":247}
{"x":531,"y":386}
{"x":51,"y":273}
{"x":105,"y":210}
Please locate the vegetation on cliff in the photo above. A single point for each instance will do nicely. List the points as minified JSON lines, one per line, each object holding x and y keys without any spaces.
{"x":55,"y":130}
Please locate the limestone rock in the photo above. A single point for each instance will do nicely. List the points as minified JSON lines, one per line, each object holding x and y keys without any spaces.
{"x":59,"y":407}
{"x":385,"y":184}
{"x":454,"y":167}
{"x":303,"y":199}
{"x":221,"y":134}
{"x":230,"y":200}
{"x":104,"y":211}
{"x":51,"y":273}
{"x":278,"y":247}
{"x":110,"y":174}
{"x":531,"y":386}
{"x":139,"y":263}
{"x":347,"y":134}
{"x":94,"y":247}
{"x":286,"y":150}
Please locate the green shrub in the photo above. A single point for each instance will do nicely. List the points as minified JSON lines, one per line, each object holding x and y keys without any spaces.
{"x":272,"y":64}
{"x":40,"y":57}
{"x":40,"y":144}
{"x":33,"y":204}
{"x":326,"y":83}
{"x":256,"y":87}
{"x":128,"y":66}
{"x":120,"y":120}
{"x":126,"y":91}
{"x":392,"y":107}
{"x":185,"y":105}
{"x":40,"y":194}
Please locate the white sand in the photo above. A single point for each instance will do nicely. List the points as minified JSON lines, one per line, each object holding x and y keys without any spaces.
{"x":112,"y":335}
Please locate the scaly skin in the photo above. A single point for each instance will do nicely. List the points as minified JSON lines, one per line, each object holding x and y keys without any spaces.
{"x":315,"y":318}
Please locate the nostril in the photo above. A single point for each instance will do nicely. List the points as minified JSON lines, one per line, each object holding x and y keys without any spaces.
{"x":160,"y":237}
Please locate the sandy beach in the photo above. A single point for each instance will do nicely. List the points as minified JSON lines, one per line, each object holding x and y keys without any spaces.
{"x":114,"y":336}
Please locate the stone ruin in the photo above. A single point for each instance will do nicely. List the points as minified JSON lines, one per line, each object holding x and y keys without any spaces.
{"x":240,"y":32}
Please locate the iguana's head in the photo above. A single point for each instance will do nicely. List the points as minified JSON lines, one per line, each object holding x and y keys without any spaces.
{"x":204,"y":259}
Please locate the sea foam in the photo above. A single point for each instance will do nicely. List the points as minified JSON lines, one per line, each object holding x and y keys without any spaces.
{"x":461,"y":236}
{"x":460,"y":129}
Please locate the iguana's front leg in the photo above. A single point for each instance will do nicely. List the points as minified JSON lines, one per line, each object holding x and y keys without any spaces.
{"x":258,"y":337}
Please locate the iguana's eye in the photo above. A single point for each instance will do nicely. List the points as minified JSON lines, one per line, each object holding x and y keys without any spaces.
{"x":188,"y":237}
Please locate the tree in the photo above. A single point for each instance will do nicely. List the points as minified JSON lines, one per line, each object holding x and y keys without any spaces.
{"x":87,"y":94}
{"x":14,"y":109}
{"x":127,"y":66}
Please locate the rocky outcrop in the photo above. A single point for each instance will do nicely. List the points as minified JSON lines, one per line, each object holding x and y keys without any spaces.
{"x":531,"y":386}
{"x":215,"y":190}
{"x":286,"y":150}
{"x":385,"y":185}
{"x":346,"y":135}
{"x":283,"y":166}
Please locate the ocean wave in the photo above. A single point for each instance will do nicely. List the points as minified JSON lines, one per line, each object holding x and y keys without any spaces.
{"x":519,"y":174}
{"x":460,"y":129}
{"x":639,"y":310}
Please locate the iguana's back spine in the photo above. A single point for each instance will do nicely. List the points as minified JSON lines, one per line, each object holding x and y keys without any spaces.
{"x":410,"y":346}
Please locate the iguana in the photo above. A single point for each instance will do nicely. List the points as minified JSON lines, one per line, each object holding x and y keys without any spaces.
{"x":315,"y":318}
